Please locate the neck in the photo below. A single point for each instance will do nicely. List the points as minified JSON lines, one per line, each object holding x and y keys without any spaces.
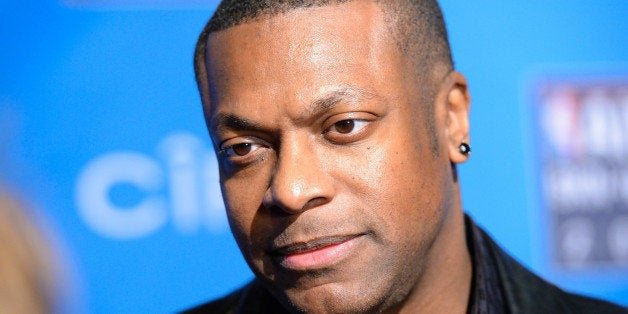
{"x":445,"y":284}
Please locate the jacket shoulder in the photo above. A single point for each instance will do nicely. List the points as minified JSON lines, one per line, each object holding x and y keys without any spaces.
{"x":528,"y":293}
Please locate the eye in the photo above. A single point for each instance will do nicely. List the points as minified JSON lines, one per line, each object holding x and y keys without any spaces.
{"x":347,"y":126}
{"x":344,"y":126}
{"x":347,"y":131}
{"x":239,"y":151}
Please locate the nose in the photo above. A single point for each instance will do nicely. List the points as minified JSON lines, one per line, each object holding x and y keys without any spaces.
{"x":300,"y":179}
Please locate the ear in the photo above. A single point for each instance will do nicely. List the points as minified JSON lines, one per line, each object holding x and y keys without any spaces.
{"x":458,"y":103}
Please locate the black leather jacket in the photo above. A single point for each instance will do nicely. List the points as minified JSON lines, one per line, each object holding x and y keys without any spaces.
{"x":525,"y":292}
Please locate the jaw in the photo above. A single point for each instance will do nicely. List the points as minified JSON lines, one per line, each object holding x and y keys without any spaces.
{"x":446,"y":280}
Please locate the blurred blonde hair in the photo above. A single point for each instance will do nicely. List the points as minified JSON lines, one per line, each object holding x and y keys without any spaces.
{"x":27,"y":266}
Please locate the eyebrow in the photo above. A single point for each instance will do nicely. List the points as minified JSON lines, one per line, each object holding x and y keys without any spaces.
{"x":317,"y":108}
{"x":331,"y":99}
{"x":230,"y":121}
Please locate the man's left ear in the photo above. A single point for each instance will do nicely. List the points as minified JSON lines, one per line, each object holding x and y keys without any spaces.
{"x":458,"y":103}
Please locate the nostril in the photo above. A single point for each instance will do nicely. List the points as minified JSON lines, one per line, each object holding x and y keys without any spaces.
{"x":268,"y":201}
{"x":315,"y":202}
{"x":292,"y":203}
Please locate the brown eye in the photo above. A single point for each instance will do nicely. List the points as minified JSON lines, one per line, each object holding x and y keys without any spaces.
{"x":241,"y":149}
{"x":344,"y":126}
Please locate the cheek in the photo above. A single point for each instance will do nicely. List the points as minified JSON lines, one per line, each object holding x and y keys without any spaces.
{"x":243,"y":197}
{"x":238,"y":202}
{"x":388,"y":174}
{"x":243,"y":203}
{"x":400,"y":184}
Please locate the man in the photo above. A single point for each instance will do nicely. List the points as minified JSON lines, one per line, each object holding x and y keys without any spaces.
{"x":338,"y":126}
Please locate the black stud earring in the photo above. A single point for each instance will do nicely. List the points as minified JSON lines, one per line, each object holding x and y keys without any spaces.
{"x":464,"y":148}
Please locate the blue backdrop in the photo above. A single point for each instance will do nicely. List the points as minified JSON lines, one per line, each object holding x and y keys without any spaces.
{"x":102,"y":134}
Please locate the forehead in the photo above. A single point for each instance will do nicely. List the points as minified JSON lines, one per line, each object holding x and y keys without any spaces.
{"x":346,"y":16}
{"x":294,"y":56}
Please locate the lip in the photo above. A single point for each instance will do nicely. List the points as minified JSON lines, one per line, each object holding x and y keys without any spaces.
{"x":317,"y":253}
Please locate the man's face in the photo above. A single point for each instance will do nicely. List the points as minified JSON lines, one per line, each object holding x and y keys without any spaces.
{"x":332,"y":188}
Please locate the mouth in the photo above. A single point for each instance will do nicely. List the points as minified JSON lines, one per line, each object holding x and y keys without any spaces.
{"x":317,"y":253}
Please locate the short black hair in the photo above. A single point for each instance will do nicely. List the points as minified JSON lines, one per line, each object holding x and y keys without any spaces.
{"x":418,"y":27}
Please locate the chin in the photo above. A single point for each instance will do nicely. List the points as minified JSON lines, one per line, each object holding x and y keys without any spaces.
{"x":326,"y":304}
{"x":330,"y":298}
